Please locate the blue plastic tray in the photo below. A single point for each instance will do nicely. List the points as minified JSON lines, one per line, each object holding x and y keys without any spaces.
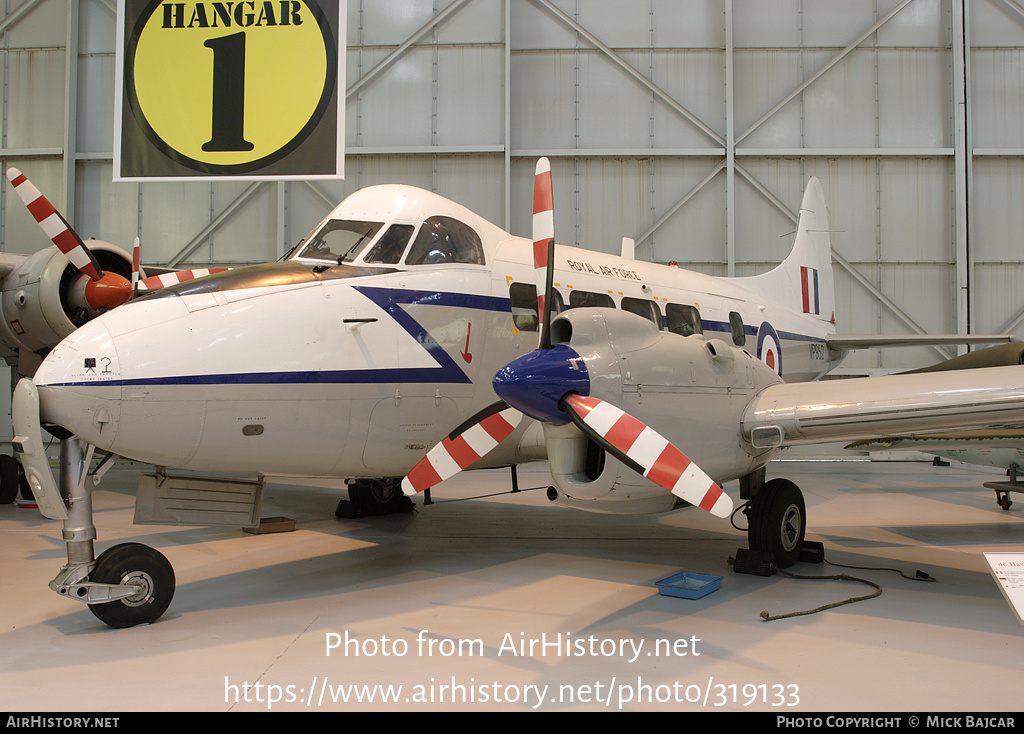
{"x":688,"y":585}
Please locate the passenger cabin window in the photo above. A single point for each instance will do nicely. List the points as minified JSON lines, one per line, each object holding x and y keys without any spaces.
{"x":586,"y":299}
{"x":446,"y":240}
{"x":391,"y":245}
{"x":523,"y":297}
{"x":340,"y":240}
{"x":642,"y":307}
{"x":683,"y":320}
{"x":739,"y":337}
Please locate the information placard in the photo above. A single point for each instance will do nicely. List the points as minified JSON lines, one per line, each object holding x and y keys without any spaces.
{"x":1008,"y":571}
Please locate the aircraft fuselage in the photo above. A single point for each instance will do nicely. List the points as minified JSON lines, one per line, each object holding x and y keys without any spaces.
{"x":311,"y":368}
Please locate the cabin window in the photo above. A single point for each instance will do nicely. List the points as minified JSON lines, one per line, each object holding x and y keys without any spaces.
{"x":446,"y":240}
{"x":391,"y":245}
{"x":683,"y":320}
{"x":523,"y":297}
{"x":642,"y":307}
{"x":739,"y":336}
{"x":586,"y":299}
{"x":340,"y":240}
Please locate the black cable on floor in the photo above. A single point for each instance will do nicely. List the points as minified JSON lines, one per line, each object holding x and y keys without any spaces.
{"x":839,"y":577}
{"x":919,"y":576}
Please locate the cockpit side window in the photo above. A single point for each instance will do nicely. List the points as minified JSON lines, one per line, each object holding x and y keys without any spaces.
{"x":446,"y":240}
{"x":340,"y":240}
{"x":391,"y":245}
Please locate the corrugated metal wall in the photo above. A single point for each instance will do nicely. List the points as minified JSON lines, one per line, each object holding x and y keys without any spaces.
{"x":690,"y":125}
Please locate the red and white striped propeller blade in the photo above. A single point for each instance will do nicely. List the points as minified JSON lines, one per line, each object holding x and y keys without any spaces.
{"x":647,"y":452}
{"x":462,"y":447}
{"x":543,"y":245}
{"x":156,"y":282}
{"x":54,"y":225}
{"x":136,"y":265}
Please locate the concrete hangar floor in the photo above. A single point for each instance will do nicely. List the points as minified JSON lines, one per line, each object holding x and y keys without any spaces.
{"x":507,"y":603}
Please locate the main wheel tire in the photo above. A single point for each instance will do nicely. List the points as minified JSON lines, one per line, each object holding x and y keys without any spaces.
{"x":379,"y":496}
{"x":9,"y":470}
{"x":134,"y":563}
{"x":777,"y":521}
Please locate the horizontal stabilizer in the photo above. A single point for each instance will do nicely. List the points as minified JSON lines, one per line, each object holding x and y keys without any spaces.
{"x":845,"y":342}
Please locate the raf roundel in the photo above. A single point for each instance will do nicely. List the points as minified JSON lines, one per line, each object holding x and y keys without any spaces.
{"x":768,"y":349}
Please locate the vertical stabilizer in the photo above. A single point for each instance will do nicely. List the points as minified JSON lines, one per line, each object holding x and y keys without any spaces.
{"x":803,"y":281}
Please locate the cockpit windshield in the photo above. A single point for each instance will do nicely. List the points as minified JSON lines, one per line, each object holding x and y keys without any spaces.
{"x":445,"y":240}
{"x":438,"y":240}
{"x":340,"y":241}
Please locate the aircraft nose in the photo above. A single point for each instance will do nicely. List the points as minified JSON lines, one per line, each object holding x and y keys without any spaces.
{"x":79,"y":385}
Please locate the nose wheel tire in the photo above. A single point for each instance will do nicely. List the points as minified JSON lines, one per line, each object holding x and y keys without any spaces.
{"x":137,"y":565}
{"x":777,"y":521}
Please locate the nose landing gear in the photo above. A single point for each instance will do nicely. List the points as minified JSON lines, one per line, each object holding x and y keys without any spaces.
{"x":129,"y":584}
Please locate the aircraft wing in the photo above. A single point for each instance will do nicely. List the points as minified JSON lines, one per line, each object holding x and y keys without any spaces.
{"x":997,"y":356}
{"x":892,"y":405}
{"x":847,"y":342}
{"x":946,"y":441}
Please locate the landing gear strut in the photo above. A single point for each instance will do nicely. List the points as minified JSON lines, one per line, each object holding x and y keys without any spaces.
{"x":129,"y":584}
{"x":777,"y":521}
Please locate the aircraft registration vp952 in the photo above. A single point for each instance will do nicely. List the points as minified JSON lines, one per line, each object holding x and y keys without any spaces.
{"x":381,"y":335}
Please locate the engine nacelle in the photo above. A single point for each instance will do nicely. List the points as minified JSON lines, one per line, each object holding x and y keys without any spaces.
{"x":43,"y":301}
{"x":693,"y":390}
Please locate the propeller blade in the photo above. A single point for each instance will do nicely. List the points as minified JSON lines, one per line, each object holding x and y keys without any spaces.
{"x":462,"y":447}
{"x":647,"y":452}
{"x":55,"y":226}
{"x":544,"y":247}
{"x":156,"y":282}
{"x":136,"y":266}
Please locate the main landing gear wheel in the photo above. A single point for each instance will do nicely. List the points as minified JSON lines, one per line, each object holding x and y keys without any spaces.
{"x":371,"y":497}
{"x":136,"y":565}
{"x":777,"y":521}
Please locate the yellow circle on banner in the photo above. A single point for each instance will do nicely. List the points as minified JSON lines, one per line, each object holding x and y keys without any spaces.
{"x":229,"y":84}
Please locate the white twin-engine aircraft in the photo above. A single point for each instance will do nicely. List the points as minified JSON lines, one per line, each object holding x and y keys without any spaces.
{"x":390,"y":330}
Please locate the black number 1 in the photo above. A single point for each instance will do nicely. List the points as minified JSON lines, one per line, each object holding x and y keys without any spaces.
{"x":228,"y":132}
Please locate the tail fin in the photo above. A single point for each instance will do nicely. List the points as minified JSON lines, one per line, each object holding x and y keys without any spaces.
{"x":803,"y":281}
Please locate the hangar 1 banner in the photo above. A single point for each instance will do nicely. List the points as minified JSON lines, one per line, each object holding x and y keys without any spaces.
{"x":247,"y":90}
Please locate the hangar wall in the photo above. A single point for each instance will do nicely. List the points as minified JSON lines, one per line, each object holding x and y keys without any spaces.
{"x":690,"y":125}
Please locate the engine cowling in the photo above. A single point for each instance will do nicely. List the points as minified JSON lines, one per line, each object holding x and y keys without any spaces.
{"x":43,"y":300}
{"x":692,"y":389}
